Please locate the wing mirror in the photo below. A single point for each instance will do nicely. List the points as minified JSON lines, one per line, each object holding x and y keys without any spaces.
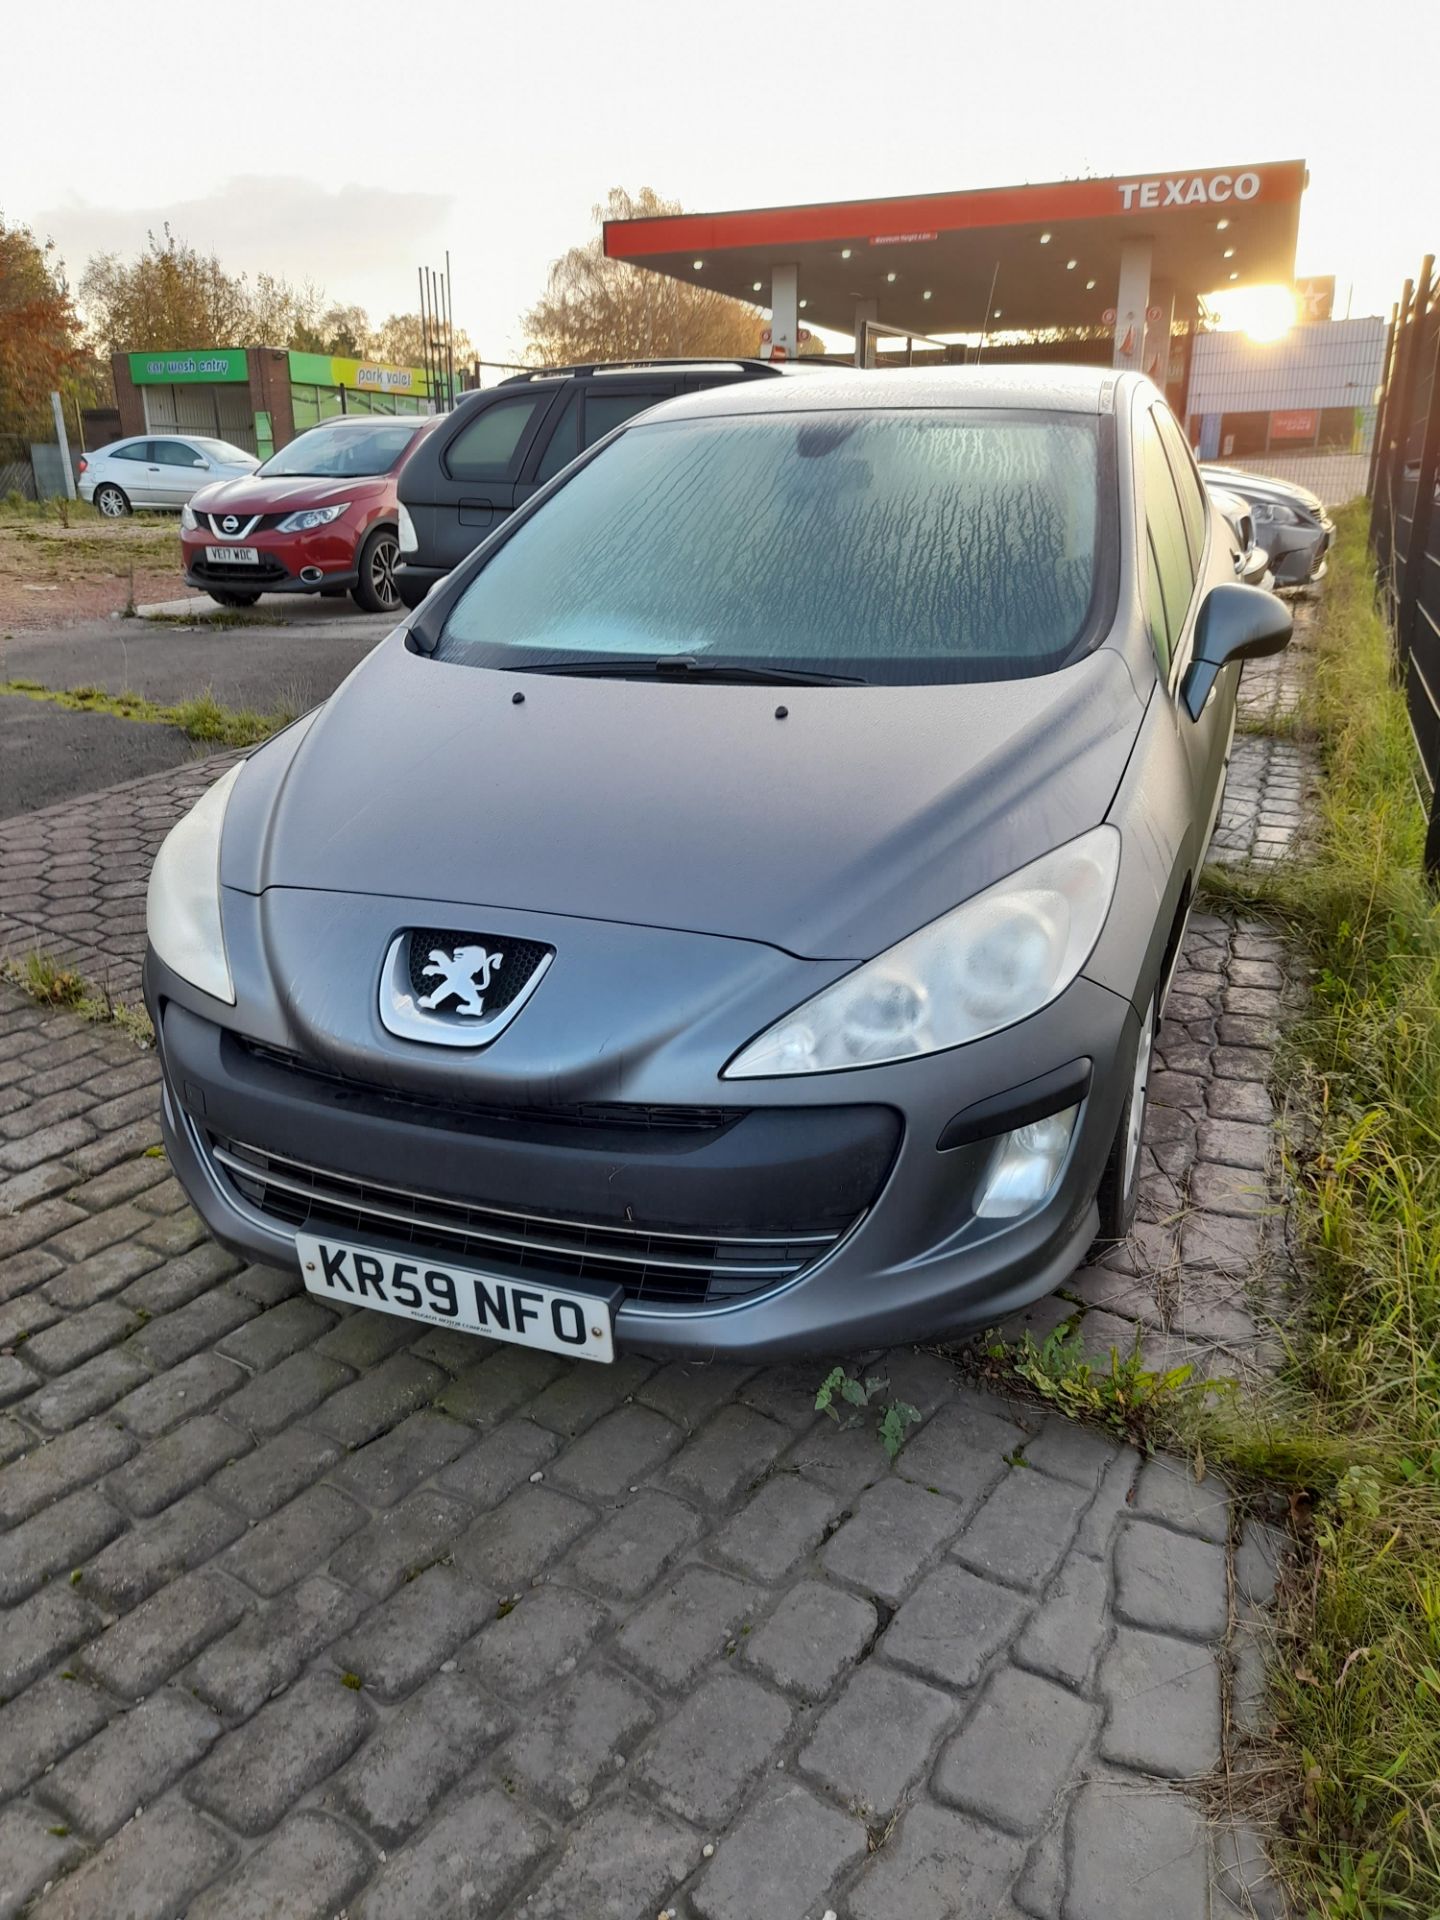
{"x":1235,"y":623}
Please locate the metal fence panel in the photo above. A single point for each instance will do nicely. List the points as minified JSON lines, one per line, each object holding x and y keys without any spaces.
{"x":1405,"y":525}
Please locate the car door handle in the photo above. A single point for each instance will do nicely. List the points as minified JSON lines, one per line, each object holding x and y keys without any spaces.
{"x":152,"y":469}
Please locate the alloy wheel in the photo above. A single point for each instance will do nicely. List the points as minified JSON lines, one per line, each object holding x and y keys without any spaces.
{"x":383,"y":562}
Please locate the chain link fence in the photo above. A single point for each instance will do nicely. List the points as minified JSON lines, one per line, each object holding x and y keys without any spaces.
{"x":1405,"y":525}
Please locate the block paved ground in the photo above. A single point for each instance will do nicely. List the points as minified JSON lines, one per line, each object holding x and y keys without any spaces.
{"x":308,"y":1613}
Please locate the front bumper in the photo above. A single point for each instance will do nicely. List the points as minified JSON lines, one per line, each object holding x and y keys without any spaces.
{"x":839,"y":1181}
{"x":328,"y":552}
{"x":1297,"y":554}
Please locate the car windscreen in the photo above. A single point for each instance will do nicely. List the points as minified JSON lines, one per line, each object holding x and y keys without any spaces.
{"x":907,"y":546}
{"x":340,"y":453}
{"x":225,"y":453}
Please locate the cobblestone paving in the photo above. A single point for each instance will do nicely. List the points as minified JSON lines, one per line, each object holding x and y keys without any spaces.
{"x":1272,"y":778}
{"x":73,"y":876}
{"x":308,"y":1613}
{"x":305,"y":1612}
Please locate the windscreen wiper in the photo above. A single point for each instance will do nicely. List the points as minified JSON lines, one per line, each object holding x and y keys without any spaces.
{"x":685,"y":666}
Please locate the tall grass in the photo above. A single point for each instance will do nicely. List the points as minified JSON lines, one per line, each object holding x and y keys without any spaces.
{"x":1357,"y":1689}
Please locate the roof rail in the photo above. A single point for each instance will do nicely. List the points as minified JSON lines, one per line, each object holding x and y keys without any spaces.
{"x":743,"y":363}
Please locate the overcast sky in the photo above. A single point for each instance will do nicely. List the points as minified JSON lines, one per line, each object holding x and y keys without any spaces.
{"x":328,"y":144}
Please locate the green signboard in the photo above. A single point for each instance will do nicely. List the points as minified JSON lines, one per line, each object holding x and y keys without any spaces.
{"x":199,"y":366}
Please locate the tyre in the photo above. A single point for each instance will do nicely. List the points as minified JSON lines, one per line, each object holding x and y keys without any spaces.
{"x":1121,"y":1178}
{"x":233,"y":599}
{"x":377,"y":591}
{"x":111,"y":501}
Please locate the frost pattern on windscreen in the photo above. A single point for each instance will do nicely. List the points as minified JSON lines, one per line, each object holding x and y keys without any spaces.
{"x":897,"y":546}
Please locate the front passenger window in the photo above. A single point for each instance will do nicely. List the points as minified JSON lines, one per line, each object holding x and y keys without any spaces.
{"x":1169,"y":569}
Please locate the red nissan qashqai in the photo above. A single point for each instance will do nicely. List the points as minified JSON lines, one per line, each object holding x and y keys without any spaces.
{"x":319,"y":516}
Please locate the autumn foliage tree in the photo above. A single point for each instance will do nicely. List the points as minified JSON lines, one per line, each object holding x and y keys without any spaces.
{"x":171,"y":295}
{"x":40,"y":350}
{"x":598,"y":309}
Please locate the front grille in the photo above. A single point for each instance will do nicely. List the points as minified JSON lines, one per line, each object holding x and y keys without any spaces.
{"x":660,"y":1266}
{"x":249,"y":523}
{"x":594,"y":1116}
{"x":267,"y":573}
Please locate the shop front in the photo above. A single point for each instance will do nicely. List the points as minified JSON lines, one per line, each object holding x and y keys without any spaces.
{"x":258,"y":398}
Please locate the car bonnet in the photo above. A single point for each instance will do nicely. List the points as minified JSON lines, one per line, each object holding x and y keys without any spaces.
{"x":829,"y":832}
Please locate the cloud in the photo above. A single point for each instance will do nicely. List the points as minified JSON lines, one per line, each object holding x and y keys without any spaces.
{"x":358,"y":243}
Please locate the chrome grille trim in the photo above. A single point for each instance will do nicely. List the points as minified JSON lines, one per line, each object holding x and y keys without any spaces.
{"x":650,"y":1263}
{"x":237,"y":538}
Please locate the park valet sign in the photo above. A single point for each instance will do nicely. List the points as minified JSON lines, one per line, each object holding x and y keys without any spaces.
{"x":1188,"y":190}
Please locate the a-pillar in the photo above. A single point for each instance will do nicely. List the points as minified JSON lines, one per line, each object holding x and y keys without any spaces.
{"x":1159,"y":321}
{"x":784,"y":313}
{"x":1131,"y":300}
{"x":865,"y":344}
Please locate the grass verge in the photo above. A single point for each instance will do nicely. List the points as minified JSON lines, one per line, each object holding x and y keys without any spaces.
{"x":55,"y":986}
{"x":201,"y":718}
{"x":1356,"y":1420}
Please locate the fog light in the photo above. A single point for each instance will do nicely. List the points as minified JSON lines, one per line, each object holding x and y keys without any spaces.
{"x":1026,"y":1166}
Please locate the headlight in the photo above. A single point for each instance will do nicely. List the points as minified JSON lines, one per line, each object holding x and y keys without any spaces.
{"x":1276,"y":514}
{"x":409,"y":539}
{"x":308,"y":517}
{"x":995,"y":960}
{"x":182,"y":905}
{"x":187,"y":518}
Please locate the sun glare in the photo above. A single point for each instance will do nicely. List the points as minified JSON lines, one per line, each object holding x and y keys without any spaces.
{"x":1264,"y":313}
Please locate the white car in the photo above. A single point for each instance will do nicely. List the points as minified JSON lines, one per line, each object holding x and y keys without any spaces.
{"x":157,"y":472}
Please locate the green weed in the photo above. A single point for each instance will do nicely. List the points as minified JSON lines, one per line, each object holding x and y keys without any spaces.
{"x":55,"y":986}
{"x":201,"y":718}
{"x":841,"y":1389}
{"x":1118,"y":1391}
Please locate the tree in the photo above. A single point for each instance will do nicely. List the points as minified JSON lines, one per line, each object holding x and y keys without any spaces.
{"x":40,"y":349}
{"x":170,"y":296}
{"x":282,"y":316}
{"x":598,"y":309}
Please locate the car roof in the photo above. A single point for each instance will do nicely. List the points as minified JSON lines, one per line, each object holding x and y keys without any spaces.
{"x":372,"y":419}
{"x":1241,"y":480}
{"x":1044,"y":389}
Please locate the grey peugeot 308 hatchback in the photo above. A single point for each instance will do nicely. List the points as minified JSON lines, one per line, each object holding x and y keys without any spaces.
{"x":733,"y":912}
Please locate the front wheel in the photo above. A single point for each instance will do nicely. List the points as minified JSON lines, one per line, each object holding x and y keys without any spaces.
{"x":376,"y":590}
{"x":110,"y":501}
{"x":1120,"y":1181}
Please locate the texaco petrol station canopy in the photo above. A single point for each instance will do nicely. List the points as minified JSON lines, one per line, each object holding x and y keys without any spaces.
{"x":1123,"y":252}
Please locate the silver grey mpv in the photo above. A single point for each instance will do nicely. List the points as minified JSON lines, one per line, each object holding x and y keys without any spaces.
{"x":732,"y":913}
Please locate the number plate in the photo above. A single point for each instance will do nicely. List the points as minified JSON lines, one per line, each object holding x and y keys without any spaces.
{"x":442,"y":1295}
{"x":233,"y":556}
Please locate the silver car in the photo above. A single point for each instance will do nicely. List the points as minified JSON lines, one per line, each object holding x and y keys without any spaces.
{"x":1291,"y":523}
{"x":158,"y":471}
{"x":733,"y":913}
